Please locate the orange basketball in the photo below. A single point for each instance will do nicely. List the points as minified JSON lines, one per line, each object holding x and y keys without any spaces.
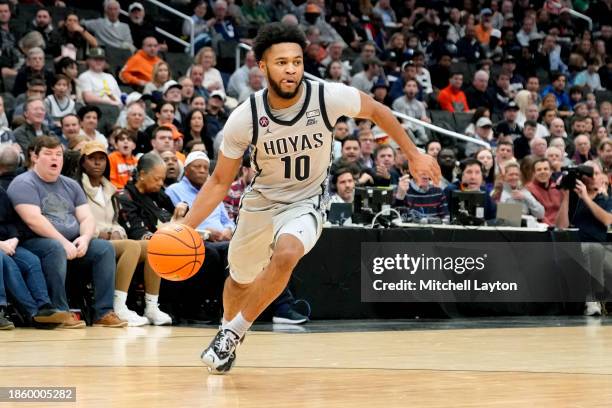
{"x":176,"y":252}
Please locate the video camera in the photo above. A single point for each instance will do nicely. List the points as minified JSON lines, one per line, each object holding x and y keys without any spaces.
{"x":570,"y":174}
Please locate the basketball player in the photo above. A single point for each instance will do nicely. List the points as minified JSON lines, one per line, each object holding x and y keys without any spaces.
{"x":289,"y":126}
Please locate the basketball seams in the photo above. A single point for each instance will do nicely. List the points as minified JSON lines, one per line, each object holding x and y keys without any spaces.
{"x":161,"y":258}
{"x":161,"y":232}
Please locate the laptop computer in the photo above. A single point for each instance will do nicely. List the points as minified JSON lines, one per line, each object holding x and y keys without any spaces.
{"x":340,"y":212}
{"x":510,"y":214}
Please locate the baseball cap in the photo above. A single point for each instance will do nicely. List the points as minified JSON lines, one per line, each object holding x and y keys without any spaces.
{"x":312,"y":8}
{"x":409,"y":63}
{"x":495,"y":33}
{"x":96,"y":53}
{"x":92,"y":147}
{"x":509,"y":59}
{"x":171,"y":84}
{"x":133,"y":97}
{"x":486,"y":11}
{"x":135,"y":5}
{"x":193,"y":156}
{"x":483,"y":122}
{"x":219,"y":94}
{"x":511,"y":106}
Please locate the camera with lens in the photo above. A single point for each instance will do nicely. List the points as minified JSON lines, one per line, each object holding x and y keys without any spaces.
{"x":569,"y":175}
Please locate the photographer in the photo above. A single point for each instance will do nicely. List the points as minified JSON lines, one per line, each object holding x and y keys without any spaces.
{"x":589,"y":210}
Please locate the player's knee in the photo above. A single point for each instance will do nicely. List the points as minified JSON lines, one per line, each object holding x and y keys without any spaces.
{"x":286,"y":258}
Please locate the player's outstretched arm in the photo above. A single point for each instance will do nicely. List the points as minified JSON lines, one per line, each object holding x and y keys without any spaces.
{"x":420,"y":164}
{"x":214,"y":190}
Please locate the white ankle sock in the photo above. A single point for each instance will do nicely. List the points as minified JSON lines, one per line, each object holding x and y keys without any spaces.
{"x":151,"y":300}
{"x":224,"y":323}
{"x":238,"y":325}
{"x":119,"y":300}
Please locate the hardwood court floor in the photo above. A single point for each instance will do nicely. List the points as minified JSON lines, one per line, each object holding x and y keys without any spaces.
{"x":160,"y":367}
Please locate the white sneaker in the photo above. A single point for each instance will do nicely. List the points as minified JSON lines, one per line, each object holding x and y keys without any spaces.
{"x":130,"y":316}
{"x":156,"y":316}
{"x":592,"y":309}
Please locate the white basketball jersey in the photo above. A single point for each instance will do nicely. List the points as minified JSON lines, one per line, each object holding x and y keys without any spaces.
{"x":291,"y":158}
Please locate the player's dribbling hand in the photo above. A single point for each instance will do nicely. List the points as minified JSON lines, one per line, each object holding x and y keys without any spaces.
{"x":424,"y":165}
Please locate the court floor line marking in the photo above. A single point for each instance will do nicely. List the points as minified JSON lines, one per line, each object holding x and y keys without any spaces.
{"x":317,"y":368}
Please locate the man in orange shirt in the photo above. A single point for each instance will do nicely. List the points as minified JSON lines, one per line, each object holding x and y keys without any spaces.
{"x":484,"y":29}
{"x":122,"y":161}
{"x":138,"y":69}
{"x":452,"y":98}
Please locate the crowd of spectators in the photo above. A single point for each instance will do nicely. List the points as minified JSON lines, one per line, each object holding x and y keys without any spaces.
{"x":95,"y":155}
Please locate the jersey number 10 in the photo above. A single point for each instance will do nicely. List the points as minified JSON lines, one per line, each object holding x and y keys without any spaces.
{"x":302,"y":167}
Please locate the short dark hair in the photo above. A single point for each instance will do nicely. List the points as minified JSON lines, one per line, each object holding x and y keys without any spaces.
{"x":45,"y":141}
{"x":382,"y":147}
{"x":556,"y":75}
{"x":342,"y":170}
{"x":67,"y":116}
{"x":531,"y":123}
{"x":161,"y":129}
{"x":60,"y":77}
{"x":276,"y":33}
{"x":539,"y":160}
{"x":471,"y":162}
{"x":36,"y":80}
{"x":350,"y":139}
{"x":119,"y":132}
{"x":505,"y":142}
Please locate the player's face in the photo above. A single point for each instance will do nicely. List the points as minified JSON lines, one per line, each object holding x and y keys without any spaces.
{"x":283,"y":65}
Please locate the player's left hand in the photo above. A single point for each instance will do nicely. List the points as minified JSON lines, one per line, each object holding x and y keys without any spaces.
{"x":424,"y":165}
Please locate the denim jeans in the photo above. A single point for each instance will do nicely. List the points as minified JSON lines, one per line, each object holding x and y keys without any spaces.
{"x":25,"y":281}
{"x":3,"y":301}
{"x":100,"y":259}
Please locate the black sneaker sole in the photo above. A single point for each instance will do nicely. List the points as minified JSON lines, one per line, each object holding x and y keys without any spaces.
{"x":7,"y":327}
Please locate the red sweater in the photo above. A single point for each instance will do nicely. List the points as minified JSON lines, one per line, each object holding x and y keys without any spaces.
{"x":549,"y":197}
{"x":452,"y":100}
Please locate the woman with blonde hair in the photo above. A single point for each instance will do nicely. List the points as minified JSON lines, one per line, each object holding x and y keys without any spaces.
{"x":523,"y":99}
{"x":207,"y":58}
{"x":161,"y":75}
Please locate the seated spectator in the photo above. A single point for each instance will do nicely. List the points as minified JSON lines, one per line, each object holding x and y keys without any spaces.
{"x":161,"y":75}
{"x":196,"y":74}
{"x":89,"y":117}
{"x":447,"y":160}
{"x":509,"y":126}
{"x":23,"y":275}
{"x":173,"y":168}
{"x":93,"y":177}
{"x":135,"y":120}
{"x":239,"y":80}
{"x":532,"y":114}
{"x":256,"y":83}
{"x":194,"y":129}
{"x":164,"y":116}
{"x":557,"y":88}
{"x":384,"y":160}
{"x":452,"y":98}
{"x":433,"y":148}
{"x":34,"y":114}
{"x":485,"y":157}
{"x":216,"y":116}
{"x":343,"y":182}
{"x":172,"y":94}
{"x":68,"y":67}
{"x":410,"y":106}
{"x":582,"y":149}
{"x":187,"y":94}
{"x":589,"y":77}
{"x":538,"y":147}
{"x":468,"y":46}
{"x":33,"y":68}
{"x":61,"y":227}
{"x":71,"y":40}
{"x":10,"y":163}
{"x":59,"y":103}
{"x":140,"y":122}
{"x":476,"y":94}
{"x":421,"y":196}
{"x":236,"y":190}
{"x":591,"y":213}
{"x":483,"y":132}
{"x":201,"y":26}
{"x":605,"y":157}
{"x":95,"y":85}
{"x":472,"y":180}
{"x":141,"y":27}
{"x":138,"y":69}
{"x":367,"y":144}
{"x":144,"y":206}
{"x":521,"y":144}
{"x":122,"y":161}
{"x":109,"y":31}
{"x":71,"y":130}
{"x":365,"y":80}
{"x":544,"y":189}
{"x":559,"y":144}
{"x":207,"y":59}
{"x":8,"y":47}
{"x":5,"y":322}
{"x":37,"y":89}
{"x":511,"y":191}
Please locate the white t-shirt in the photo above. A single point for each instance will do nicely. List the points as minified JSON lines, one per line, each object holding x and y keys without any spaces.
{"x":100,"y":83}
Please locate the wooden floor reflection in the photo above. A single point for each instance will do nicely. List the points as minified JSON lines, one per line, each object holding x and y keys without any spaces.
{"x":160,"y":367}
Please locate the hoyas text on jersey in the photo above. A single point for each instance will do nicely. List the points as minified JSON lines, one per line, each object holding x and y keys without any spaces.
{"x":293,"y":144}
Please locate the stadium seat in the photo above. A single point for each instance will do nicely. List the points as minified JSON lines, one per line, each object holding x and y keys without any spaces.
{"x":179,"y":63}
{"x":116,"y":58}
